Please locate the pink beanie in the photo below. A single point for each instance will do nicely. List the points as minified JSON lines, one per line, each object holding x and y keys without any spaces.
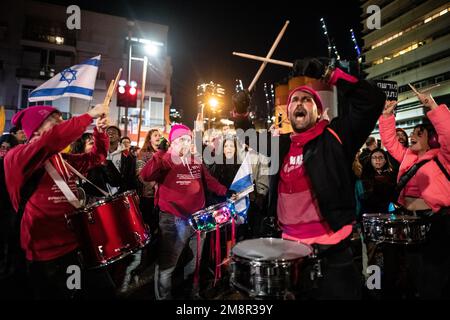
{"x":179,"y":130}
{"x":30,"y":119}
{"x":309,"y":90}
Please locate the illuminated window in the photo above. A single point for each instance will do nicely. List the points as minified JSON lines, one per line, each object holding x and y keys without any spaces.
{"x":437,"y":15}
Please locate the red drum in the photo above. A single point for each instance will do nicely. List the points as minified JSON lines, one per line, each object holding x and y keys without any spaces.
{"x":109,"y":229}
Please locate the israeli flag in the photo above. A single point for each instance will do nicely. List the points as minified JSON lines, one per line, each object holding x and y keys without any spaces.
{"x":243,"y":185}
{"x":77,"y":81}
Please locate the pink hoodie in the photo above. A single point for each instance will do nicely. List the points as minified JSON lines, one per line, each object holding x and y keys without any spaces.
{"x":429,"y":183}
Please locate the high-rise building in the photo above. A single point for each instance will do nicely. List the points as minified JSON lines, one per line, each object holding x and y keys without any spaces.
{"x":411,"y":46}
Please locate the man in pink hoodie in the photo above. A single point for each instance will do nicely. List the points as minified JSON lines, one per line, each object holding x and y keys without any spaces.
{"x":182,"y":180}
{"x":427,"y":193}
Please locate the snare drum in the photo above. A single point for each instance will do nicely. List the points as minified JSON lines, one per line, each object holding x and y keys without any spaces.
{"x":400,"y":229}
{"x":268,"y":267}
{"x":217,"y":215}
{"x":109,"y":229}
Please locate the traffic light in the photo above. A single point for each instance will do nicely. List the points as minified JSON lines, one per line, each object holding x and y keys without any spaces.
{"x":127,"y":94}
{"x":132,"y":95}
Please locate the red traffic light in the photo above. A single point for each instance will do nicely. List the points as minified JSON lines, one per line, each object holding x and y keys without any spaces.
{"x":132,"y":91}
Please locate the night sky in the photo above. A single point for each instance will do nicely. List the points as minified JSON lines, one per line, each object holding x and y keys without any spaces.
{"x":202,"y":36}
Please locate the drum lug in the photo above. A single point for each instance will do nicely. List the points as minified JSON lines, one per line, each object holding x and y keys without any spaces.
{"x":90,"y":217}
{"x":138,"y":237}
{"x":100,"y":252}
{"x":126,"y":203}
{"x":68,"y":222}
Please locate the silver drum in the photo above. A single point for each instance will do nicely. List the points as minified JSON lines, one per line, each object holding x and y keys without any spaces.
{"x":398,"y":229}
{"x":267,"y":267}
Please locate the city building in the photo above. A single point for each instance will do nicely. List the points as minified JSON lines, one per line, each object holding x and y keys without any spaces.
{"x":36,"y":44}
{"x":412,"y":46}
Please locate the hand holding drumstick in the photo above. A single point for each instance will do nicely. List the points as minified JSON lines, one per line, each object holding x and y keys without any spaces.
{"x":425,"y":98}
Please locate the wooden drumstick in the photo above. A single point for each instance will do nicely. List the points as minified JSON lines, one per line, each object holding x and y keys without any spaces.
{"x":413,"y":89}
{"x":253,"y":57}
{"x":112,"y":88}
{"x":425,"y":90}
{"x":269,"y":55}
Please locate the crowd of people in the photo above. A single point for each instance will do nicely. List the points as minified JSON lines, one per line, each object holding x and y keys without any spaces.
{"x":320,"y":190}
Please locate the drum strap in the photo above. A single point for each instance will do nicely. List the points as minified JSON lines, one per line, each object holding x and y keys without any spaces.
{"x":62,"y":185}
{"x":403,"y":180}
{"x":83,"y":178}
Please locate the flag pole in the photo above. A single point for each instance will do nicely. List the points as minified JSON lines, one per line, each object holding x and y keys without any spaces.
{"x":144,"y":78}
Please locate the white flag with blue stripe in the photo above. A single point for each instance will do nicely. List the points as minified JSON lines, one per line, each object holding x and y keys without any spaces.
{"x":77,"y":81}
{"x":243,"y":184}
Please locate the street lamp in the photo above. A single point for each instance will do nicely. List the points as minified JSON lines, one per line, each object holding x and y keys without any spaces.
{"x":213,"y":103}
{"x":151,"y":48}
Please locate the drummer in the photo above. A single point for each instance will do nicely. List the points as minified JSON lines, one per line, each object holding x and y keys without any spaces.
{"x":49,"y":245}
{"x":313,"y":193}
{"x":182,"y":180}
{"x":427,"y":193}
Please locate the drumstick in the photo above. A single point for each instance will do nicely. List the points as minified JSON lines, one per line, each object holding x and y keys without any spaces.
{"x":423,"y":91}
{"x":269,"y":55}
{"x":112,"y":88}
{"x":413,"y":89}
{"x":253,"y":57}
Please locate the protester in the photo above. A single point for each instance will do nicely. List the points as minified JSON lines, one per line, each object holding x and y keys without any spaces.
{"x":427,"y":191}
{"x":49,"y":245}
{"x":181,"y":182}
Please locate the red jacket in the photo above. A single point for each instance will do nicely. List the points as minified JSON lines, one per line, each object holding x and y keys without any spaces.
{"x":44,"y":234}
{"x":180,"y":185}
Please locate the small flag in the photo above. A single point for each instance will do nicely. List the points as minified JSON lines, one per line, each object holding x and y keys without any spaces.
{"x":77,"y":81}
{"x":243,"y":184}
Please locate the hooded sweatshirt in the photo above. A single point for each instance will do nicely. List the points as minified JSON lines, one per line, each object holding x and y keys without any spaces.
{"x":44,"y":232}
{"x":181,"y":183}
{"x":298,"y":211}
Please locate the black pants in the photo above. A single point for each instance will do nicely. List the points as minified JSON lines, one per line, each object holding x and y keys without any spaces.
{"x":49,"y":280}
{"x":434,"y":263}
{"x":340,"y":278}
{"x":149,"y":214}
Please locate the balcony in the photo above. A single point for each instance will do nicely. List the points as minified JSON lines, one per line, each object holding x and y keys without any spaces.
{"x":47,"y":31}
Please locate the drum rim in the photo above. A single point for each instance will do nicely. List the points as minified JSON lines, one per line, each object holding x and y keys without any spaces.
{"x":119,"y":257}
{"x":109,"y":199}
{"x":211,"y":207}
{"x":385,"y":217}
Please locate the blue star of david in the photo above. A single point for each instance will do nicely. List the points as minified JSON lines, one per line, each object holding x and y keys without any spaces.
{"x":68,"y":75}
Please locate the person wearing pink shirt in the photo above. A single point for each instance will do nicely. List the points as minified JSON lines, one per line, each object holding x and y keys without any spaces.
{"x":427,"y":192}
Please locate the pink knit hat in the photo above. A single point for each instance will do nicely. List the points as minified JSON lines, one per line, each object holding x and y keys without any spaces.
{"x":30,"y":119}
{"x":309,"y":90}
{"x":179,"y":130}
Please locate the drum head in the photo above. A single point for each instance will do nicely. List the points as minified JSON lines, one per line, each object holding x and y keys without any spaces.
{"x":271,"y":249}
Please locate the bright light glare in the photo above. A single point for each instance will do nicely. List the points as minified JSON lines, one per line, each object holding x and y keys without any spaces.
{"x":213,"y":102}
{"x":151,"y":49}
{"x":132,"y":91}
{"x":122,"y":83}
{"x":121,"y":90}
{"x":133,"y":84}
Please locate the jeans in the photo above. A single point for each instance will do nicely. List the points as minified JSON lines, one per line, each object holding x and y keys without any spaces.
{"x":176,"y":235}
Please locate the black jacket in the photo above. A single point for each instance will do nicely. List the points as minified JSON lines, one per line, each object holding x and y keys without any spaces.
{"x":328,"y":162}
